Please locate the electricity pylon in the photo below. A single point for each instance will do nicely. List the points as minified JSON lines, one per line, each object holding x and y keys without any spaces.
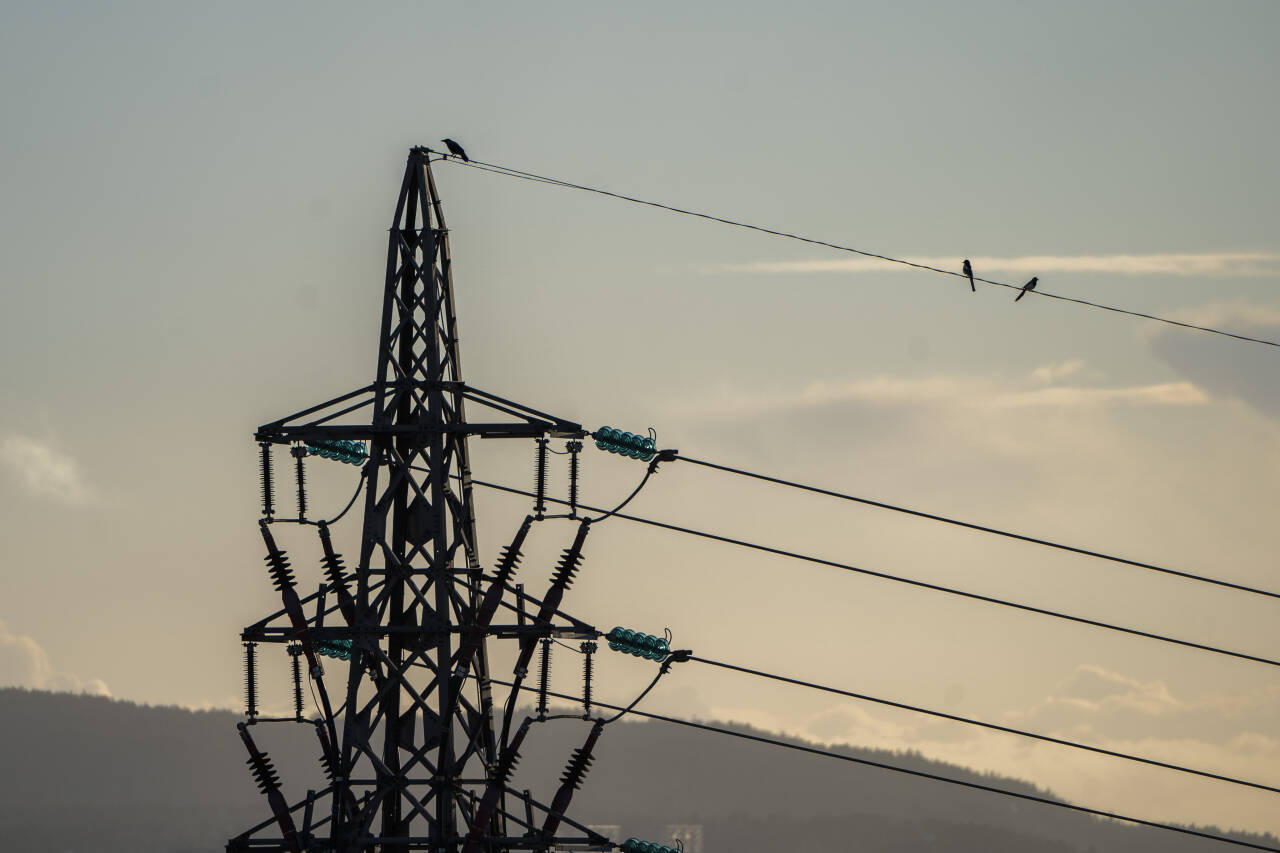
{"x":412,"y":748}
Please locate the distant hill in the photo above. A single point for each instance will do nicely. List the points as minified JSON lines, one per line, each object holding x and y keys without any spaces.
{"x":84,"y":773}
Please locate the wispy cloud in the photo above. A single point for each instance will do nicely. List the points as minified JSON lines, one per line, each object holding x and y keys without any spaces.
{"x":947,"y":390}
{"x":24,"y":663}
{"x":1054,"y":372}
{"x":1173,"y":263}
{"x":1253,"y":317}
{"x":44,"y":470}
{"x":1218,"y":366}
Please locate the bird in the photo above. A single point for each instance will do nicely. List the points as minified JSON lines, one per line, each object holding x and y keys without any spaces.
{"x":456,"y":150}
{"x":1031,"y":285}
{"x":968,"y":270}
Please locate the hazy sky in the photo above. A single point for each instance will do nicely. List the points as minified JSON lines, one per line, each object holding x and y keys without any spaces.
{"x":194,"y":214}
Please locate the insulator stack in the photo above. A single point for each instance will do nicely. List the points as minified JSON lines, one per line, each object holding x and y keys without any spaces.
{"x":574,"y":772}
{"x":544,"y":678}
{"x":335,"y":572}
{"x":299,"y":454}
{"x":264,"y":773}
{"x":268,"y":495}
{"x":283,"y":580}
{"x":509,"y":559}
{"x":640,"y":447}
{"x":339,"y":450}
{"x":328,"y":761}
{"x":277,"y":563}
{"x":567,"y":568}
{"x":635,"y":845}
{"x":540,"y":479}
{"x":508,"y":562}
{"x":575,"y":462}
{"x":250,"y":680}
{"x":295,"y":661}
{"x":588,"y":651}
{"x":501,"y":778}
{"x":511,"y":756}
{"x":560,"y":581}
{"x":638,"y":644}
{"x":339,"y":649}
{"x":269,"y":783}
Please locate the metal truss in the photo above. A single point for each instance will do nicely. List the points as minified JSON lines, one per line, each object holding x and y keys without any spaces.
{"x":411,"y":751}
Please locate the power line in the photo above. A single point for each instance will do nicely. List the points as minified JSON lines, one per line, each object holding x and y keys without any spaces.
{"x":981,"y":528}
{"x":908,"y":771}
{"x":529,"y":176}
{"x":1041,"y":611}
{"x":993,"y":726}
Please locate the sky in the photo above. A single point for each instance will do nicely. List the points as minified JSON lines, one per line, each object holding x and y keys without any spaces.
{"x":194,"y":213}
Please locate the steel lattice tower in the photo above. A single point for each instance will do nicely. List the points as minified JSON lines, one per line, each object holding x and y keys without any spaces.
{"x":410,"y":750}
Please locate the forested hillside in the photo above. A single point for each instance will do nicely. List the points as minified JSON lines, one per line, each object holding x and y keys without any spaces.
{"x":85,"y":773}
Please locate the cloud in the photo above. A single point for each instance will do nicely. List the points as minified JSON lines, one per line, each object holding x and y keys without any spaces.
{"x":1054,"y":372}
{"x":23,"y":663}
{"x":1106,"y":704}
{"x":956,"y":390}
{"x":1232,"y":264}
{"x":1223,"y":367}
{"x":44,"y":471}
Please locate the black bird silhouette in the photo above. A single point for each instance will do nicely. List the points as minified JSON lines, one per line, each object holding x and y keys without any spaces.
{"x":968,"y":270}
{"x":1031,"y":285}
{"x":456,"y":150}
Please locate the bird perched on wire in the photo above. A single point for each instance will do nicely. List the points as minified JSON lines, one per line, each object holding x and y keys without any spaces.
{"x":456,"y":150}
{"x":1031,"y":285}
{"x":968,"y":271}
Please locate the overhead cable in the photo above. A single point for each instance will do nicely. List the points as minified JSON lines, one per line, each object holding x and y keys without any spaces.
{"x":529,"y":176}
{"x":992,"y":726}
{"x":812,"y":750}
{"x":981,"y":528}
{"x":988,"y":599}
